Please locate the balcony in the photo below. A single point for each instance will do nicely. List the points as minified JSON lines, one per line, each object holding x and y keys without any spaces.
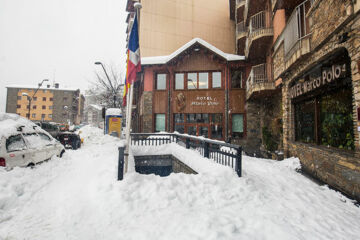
{"x":240,"y":3}
{"x":259,"y":82}
{"x":260,"y":34}
{"x":296,"y":35}
{"x":241,"y":30}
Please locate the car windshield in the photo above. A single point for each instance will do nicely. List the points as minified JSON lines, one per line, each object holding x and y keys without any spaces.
{"x":35,"y":141}
{"x":15,"y":143}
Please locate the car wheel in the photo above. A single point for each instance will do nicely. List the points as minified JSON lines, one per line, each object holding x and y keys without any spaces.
{"x":62,"y":152}
{"x":79,"y":144}
{"x":31,"y":165}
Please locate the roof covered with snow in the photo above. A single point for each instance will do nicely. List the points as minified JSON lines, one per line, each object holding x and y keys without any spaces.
{"x":166,"y":59}
{"x":97,"y":107}
{"x":43,"y":87}
{"x":113,"y":111}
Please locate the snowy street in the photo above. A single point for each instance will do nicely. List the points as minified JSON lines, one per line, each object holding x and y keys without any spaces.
{"x":78,"y":197}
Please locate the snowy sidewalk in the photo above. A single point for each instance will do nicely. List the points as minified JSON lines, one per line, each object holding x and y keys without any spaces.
{"x":78,"y":197}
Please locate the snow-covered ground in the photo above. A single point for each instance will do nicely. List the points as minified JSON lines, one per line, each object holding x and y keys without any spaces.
{"x":78,"y":197}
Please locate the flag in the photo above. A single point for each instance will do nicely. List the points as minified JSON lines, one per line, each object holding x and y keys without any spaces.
{"x":133,"y":62}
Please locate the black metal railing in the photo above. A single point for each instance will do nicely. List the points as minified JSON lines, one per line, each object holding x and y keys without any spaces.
{"x":220,"y":152}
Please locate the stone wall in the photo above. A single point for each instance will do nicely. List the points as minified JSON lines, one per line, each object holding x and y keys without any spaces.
{"x":329,"y":13}
{"x":147,"y":117}
{"x":339,"y":169}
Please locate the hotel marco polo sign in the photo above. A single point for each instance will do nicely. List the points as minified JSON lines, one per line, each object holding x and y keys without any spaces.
{"x":327,"y":76}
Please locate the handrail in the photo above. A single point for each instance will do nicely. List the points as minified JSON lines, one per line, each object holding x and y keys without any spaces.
{"x":209,"y":148}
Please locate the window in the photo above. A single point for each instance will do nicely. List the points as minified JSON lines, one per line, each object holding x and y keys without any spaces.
{"x":27,"y":115}
{"x":236,"y":79}
{"x":43,"y":107}
{"x":203,"y":80}
{"x":192,"y":80}
{"x":50,"y":115}
{"x":33,"y":115}
{"x":51,"y":99}
{"x":326,"y":120}
{"x":179,"y":81}
{"x":179,"y":122}
{"x":204,"y":131}
{"x":159,"y":122}
{"x":237,"y":125}
{"x":18,"y":106}
{"x":44,"y":137}
{"x":15,"y":143}
{"x":44,"y":98}
{"x":216,"y":79}
{"x":192,"y":130}
{"x":65,"y":99}
{"x":18,"y":97}
{"x":179,"y":118}
{"x":34,"y":98}
{"x":197,"y":118}
{"x":160,"y":81}
{"x":27,"y":106}
{"x":34,"y":107}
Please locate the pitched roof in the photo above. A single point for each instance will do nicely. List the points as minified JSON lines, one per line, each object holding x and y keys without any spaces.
{"x":166,"y":59}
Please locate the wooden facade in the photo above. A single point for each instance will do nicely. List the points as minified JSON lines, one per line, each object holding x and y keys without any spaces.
{"x":205,"y":102}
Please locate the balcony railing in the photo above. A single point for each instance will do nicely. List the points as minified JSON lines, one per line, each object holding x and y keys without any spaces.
{"x":259,"y":21}
{"x":296,"y":28}
{"x":259,"y":80}
{"x":241,"y":29}
{"x":260,"y":26}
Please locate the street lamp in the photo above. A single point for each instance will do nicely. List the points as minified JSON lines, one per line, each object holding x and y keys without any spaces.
{"x":107,"y":76}
{"x":68,"y":115}
{"x":31,"y":98}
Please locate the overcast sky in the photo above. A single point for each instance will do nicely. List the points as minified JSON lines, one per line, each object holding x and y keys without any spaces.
{"x":61,"y":39}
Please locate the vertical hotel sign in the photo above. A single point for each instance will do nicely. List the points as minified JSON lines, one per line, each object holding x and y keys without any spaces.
{"x":328,"y":75}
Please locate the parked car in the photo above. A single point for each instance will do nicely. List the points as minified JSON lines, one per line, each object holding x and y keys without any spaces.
{"x":23,"y":143}
{"x":69,"y":140}
{"x":51,"y":128}
{"x":64,"y":127}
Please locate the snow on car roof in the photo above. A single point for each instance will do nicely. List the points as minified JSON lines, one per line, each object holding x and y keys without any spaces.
{"x":10,"y":122}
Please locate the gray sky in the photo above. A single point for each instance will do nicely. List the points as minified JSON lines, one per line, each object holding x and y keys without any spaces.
{"x":40,"y":39}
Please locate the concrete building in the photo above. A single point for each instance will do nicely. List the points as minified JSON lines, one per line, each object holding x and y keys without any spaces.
{"x":51,"y":104}
{"x":166,"y":25}
{"x":93,"y":115}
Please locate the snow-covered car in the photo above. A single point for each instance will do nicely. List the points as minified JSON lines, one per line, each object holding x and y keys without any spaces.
{"x":23,"y":143}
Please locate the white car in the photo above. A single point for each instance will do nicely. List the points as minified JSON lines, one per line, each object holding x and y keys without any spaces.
{"x":23,"y":143}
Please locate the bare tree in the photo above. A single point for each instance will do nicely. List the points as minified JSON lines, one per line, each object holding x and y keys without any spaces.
{"x":107,"y":92}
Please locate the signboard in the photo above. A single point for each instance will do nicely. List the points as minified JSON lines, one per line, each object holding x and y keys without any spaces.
{"x":199,"y":101}
{"x":328,"y":75}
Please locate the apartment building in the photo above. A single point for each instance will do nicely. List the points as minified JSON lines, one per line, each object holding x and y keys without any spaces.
{"x":47,"y":103}
{"x":317,"y":60}
{"x":257,"y":28}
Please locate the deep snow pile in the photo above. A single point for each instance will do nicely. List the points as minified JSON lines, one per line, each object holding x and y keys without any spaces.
{"x":78,"y":197}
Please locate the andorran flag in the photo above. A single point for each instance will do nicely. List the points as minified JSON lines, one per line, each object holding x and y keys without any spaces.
{"x":133,"y":62}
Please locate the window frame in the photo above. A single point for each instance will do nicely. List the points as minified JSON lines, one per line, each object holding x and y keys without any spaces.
{"x":156,"y":81}
{"x":155,"y":121}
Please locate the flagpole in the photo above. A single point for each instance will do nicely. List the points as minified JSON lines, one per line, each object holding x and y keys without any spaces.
{"x":137,"y":6}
